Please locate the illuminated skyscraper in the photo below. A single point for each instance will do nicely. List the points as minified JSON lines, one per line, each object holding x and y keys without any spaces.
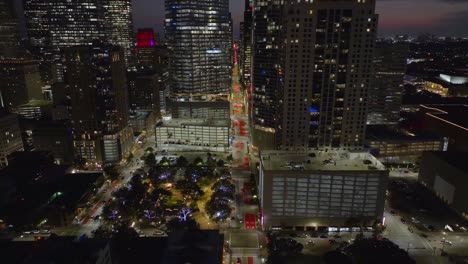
{"x":246,"y":52}
{"x":386,"y":91}
{"x":146,"y":48}
{"x":119,"y":21}
{"x":311,"y":72}
{"x":199,"y":40}
{"x":59,"y":24}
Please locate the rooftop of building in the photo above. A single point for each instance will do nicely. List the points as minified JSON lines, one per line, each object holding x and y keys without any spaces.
{"x":181,"y":122}
{"x":199,"y":246}
{"x":454,"y":158}
{"x":42,"y":186}
{"x":430,"y":98}
{"x":385,"y":132}
{"x":452,"y":114}
{"x":4,"y":113}
{"x":36,"y":103}
{"x":140,"y":115}
{"x":320,"y":161}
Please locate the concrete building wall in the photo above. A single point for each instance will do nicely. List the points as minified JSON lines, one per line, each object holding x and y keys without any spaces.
{"x":447,"y":182}
{"x":193,"y":137}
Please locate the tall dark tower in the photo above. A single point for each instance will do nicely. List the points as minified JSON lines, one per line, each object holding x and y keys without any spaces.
{"x":386,"y":91}
{"x":246,"y":52}
{"x":95,"y":78}
{"x":199,"y":40}
{"x":312,"y":66}
{"x":9,"y":39}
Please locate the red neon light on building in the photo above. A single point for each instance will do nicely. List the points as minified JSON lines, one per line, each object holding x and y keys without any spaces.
{"x":145,"y":38}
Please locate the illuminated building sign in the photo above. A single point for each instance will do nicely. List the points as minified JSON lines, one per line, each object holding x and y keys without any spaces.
{"x":145,"y":38}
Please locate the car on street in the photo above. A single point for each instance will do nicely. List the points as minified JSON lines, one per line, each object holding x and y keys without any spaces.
{"x":403,"y":220}
{"x":424,"y":235}
{"x":446,"y":242}
{"x":410,"y":229}
{"x":323,"y":236}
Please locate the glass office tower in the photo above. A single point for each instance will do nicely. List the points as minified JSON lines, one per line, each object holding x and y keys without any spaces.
{"x":199,"y":40}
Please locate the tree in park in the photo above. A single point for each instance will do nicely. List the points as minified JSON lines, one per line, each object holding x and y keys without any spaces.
{"x":181,"y":161}
{"x":164,"y":161}
{"x":218,"y":210}
{"x":220,"y":163}
{"x":150,"y":160}
{"x":198,"y":161}
{"x":149,"y":150}
{"x":121,"y":231}
{"x":188,"y":188}
{"x":111,"y":172}
{"x":224,"y":184}
{"x":223,"y":195}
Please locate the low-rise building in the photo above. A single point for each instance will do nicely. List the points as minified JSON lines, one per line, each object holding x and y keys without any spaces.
{"x":199,"y":109}
{"x":319,"y":190}
{"x":397,"y":146}
{"x":193,"y":134}
{"x":54,"y":137}
{"x":447,"y":85}
{"x":36,"y":109}
{"x":446,"y":174}
{"x":10,"y":136}
{"x":448,"y":121}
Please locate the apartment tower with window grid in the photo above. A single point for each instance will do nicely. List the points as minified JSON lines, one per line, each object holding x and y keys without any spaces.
{"x":312,"y":64}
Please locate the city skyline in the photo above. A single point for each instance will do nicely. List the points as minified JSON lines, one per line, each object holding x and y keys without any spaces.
{"x":439,"y":17}
{"x":233,"y":131}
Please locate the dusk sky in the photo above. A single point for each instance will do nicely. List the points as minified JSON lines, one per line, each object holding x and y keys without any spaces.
{"x":439,"y":17}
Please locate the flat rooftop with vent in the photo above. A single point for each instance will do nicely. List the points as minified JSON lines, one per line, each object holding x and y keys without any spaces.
{"x":320,"y":160}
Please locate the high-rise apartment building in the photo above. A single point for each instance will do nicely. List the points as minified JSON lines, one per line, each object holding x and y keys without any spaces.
{"x":386,"y":90}
{"x":9,"y":39}
{"x":311,"y":73}
{"x":95,"y":78}
{"x":246,"y":39}
{"x":199,"y":40}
